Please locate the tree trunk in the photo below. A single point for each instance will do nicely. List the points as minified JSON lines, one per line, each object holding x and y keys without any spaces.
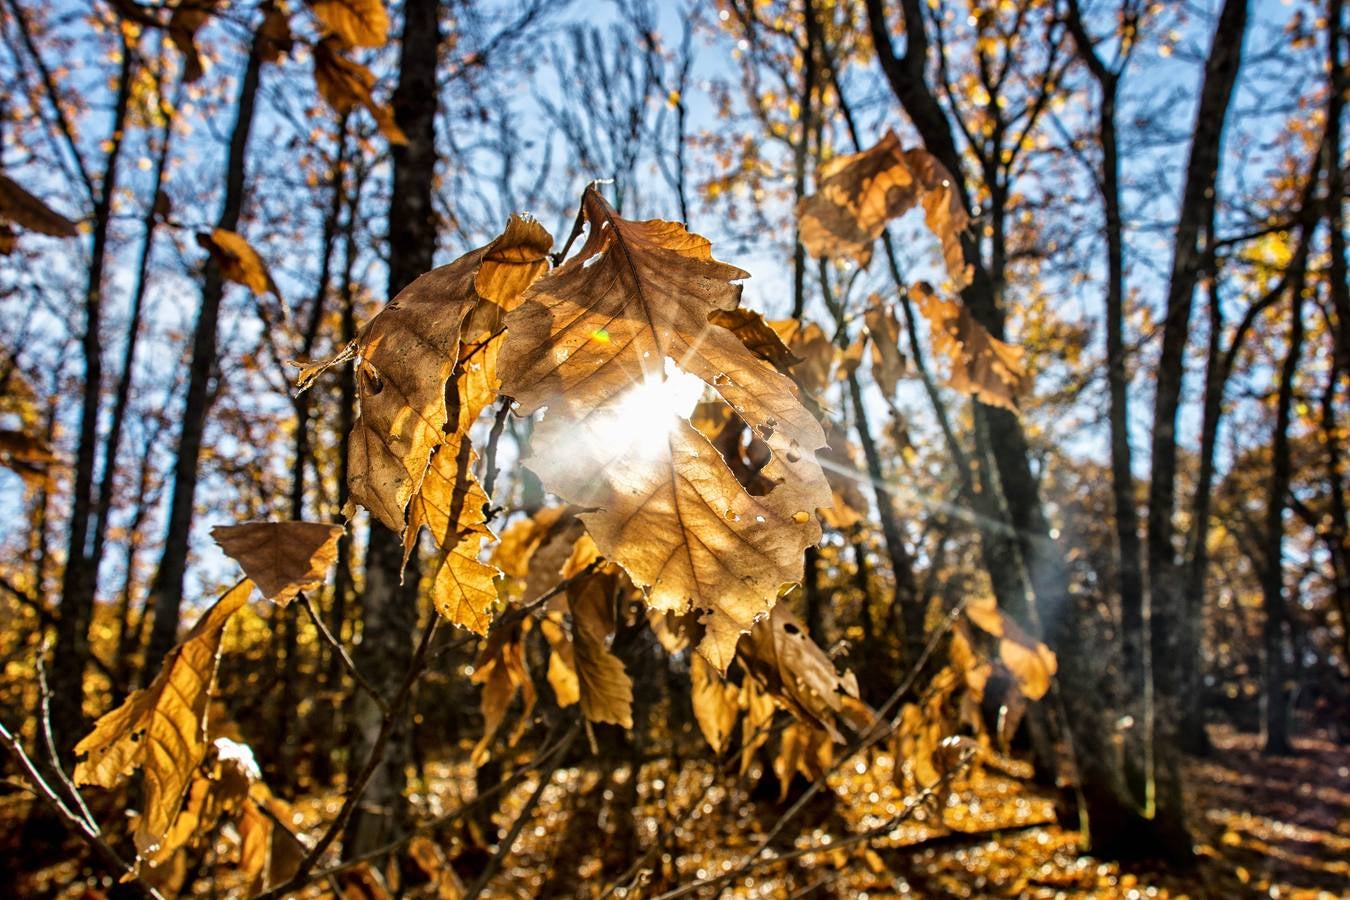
{"x":390,"y":608}
{"x":1272,"y":570}
{"x":79,"y":581}
{"x":166,"y":590}
{"x":1167,"y":606}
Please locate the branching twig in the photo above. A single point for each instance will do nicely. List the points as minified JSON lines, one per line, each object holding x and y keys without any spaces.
{"x":336,"y":646}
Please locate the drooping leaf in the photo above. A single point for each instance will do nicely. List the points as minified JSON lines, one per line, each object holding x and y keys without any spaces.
{"x":844,"y":475}
{"x":357,"y":23}
{"x":161,"y":729}
{"x":716,"y":703}
{"x":606,"y":690}
{"x":238,"y":261}
{"x":281,"y":558}
{"x":502,"y":671}
{"x":1031,"y":663}
{"x":522,"y":538}
{"x":888,"y":363}
{"x":780,"y":655}
{"x":804,"y":751}
{"x":28,"y":455}
{"x":345,"y":84}
{"x":858,"y":194}
{"x":808,"y":342}
{"x":662,"y":502}
{"x":30,"y":213}
{"x":185,"y":21}
{"x":407,"y":354}
{"x":758,"y":336}
{"x":981,"y":364}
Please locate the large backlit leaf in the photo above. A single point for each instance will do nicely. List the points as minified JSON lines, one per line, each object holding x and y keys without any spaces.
{"x":633,"y":305}
{"x":161,"y":729}
{"x":981,"y":364}
{"x":858,"y":194}
{"x":281,"y":558}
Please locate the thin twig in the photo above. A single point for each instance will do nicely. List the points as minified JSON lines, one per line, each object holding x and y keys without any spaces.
{"x":87,"y":831}
{"x":50,"y":739}
{"x":348,"y":663}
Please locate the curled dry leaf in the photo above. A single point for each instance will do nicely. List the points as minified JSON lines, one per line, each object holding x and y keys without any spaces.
{"x":716,"y":703}
{"x":28,"y":455}
{"x":185,"y":21}
{"x":1031,"y":663}
{"x":858,"y":194}
{"x":661,"y":501}
{"x":409,"y":351}
{"x":345,"y":85}
{"x":281,"y":558}
{"x":605,"y":688}
{"x":780,"y":655}
{"x":888,"y":363}
{"x":357,"y":23}
{"x":28,"y":212}
{"x":502,"y":671}
{"x":808,"y":342}
{"x":161,"y":729}
{"x":981,"y":364}
{"x":238,"y":261}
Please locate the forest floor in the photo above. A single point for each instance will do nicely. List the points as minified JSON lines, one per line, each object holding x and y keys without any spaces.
{"x":1269,"y":827}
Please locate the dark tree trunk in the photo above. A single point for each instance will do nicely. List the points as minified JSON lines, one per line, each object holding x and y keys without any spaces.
{"x":79,"y":581}
{"x":1167,"y":609}
{"x":166,"y":589}
{"x":390,"y":607}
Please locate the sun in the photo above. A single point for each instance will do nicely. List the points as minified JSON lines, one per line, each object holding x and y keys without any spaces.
{"x":641,"y":420}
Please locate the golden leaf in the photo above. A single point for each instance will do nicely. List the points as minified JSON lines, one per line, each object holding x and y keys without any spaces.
{"x":780,"y":655}
{"x":801,"y":750}
{"x":28,"y":212}
{"x":357,"y":23}
{"x":841,"y":471}
{"x":1031,"y":663}
{"x":238,"y":261}
{"x":755,"y":732}
{"x":808,"y":342}
{"x":502,"y":671}
{"x":858,"y":194}
{"x":345,"y":85}
{"x":281,"y":558}
{"x":981,"y":364}
{"x":162,"y":728}
{"x":635,"y":300}
{"x":757,"y":336}
{"x":888,"y":363}
{"x":562,"y":664}
{"x":716,"y":703}
{"x":606,"y":689}
{"x":407,"y":354}
{"x":522,"y":538}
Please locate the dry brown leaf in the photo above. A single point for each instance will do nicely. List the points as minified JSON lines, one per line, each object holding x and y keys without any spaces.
{"x":281,"y":558}
{"x":238,"y":261}
{"x":162,"y":728}
{"x":981,"y":364}
{"x":844,"y":475}
{"x":562,"y":664}
{"x":808,"y":342}
{"x":860,"y":193}
{"x":606,"y":689}
{"x":502,"y":671}
{"x":275,"y":35}
{"x":758,"y":336}
{"x":1031,"y":663}
{"x":345,"y":84}
{"x":30,"y":213}
{"x":357,"y":23}
{"x":407,"y":354}
{"x":801,"y":750}
{"x":780,"y":655}
{"x":185,"y":21}
{"x":716,"y":703}
{"x":29,"y":456}
{"x":269,"y":853}
{"x":666,"y":507}
{"x":522,"y":538}
{"x":888,"y":363}
{"x":755,"y":731}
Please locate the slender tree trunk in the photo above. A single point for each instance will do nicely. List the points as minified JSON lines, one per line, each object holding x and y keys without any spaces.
{"x":1272,"y":570}
{"x":79,"y":581}
{"x":166,"y":589}
{"x":800,"y":155}
{"x":390,"y":608}
{"x":1167,"y":606}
